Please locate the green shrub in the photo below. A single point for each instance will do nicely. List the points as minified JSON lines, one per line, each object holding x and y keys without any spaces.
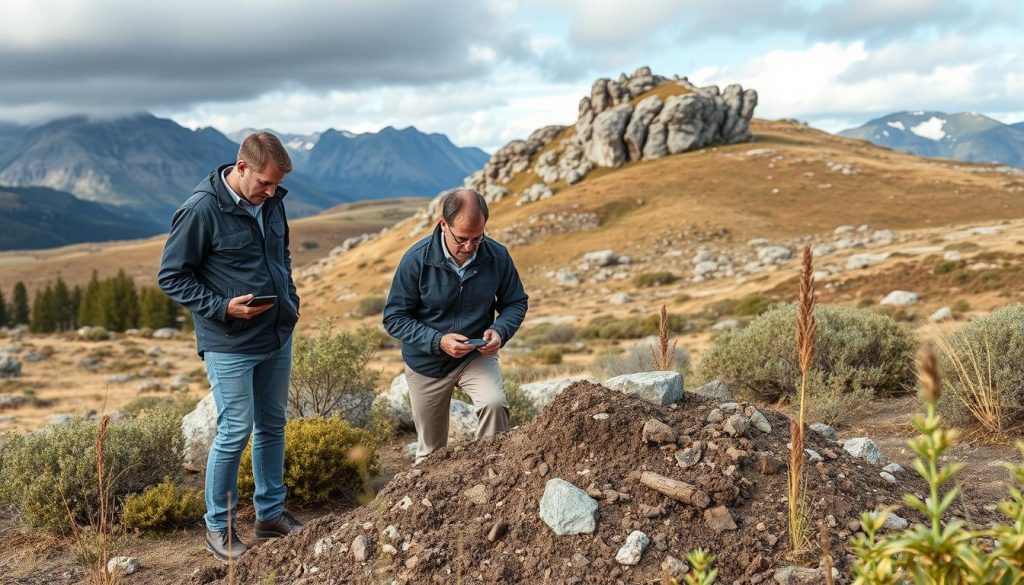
{"x":370,"y":306}
{"x":309,"y":245}
{"x":609,"y":327}
{"x":178,"y":405}
{"x":546,"y":334}
{"x":638,"y":358}
{"x":41,"y":471}
{"x":944,"y":267}
{"x":652,"y":279}
{"x":855,"y":349}
{"x":164,"y":506}
{"x":547,"y":355}
{"x":751,"y":305}
{"x":330,"y":372}
{"x":323,"y":457}
{"x":983,"y":367}
{"x":960,"y":306}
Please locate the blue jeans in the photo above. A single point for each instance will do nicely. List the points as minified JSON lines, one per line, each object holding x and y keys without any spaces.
{"x":247,"y":388}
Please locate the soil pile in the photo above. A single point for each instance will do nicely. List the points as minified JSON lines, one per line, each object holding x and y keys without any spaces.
{"x":470,"y":513}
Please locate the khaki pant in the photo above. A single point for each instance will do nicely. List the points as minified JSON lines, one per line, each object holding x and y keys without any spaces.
{"x":430,"y":398}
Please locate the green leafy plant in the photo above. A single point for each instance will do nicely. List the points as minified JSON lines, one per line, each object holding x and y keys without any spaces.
{"x":163,"y":506}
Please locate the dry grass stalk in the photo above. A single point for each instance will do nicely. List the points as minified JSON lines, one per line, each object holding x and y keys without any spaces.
{"x":806,"y":330}
{"x":826,"y":552}
{"x":976,"y":383}
{"x":663,"y":355}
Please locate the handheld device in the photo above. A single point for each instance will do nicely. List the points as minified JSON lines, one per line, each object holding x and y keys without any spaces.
{"x":260,"y":301}
{"x":476,"y":342}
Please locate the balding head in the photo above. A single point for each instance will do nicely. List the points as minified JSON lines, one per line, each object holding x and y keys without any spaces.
{"x":464,"y":202}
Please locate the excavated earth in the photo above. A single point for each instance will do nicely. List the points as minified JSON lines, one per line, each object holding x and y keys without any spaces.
{"x":431,"y":524}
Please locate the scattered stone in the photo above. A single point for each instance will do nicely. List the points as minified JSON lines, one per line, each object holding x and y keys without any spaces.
{"x":566,"y":277}
{"x":737,"y":425}
{"x":60,"y":420}
{"x":567,"y":509}
{"x":477,"y":494}
{"x":10,"y":366}
{"x":863,"y":448}
{"x":943,"y":314}
{"x":893,"y":468}
{"x":123,"y":565}
{"x":620,"y":299}
{"x":725,"y":325}
{"x":760,"y":422}
{"x":690,"y":456}
{"x":600,"y":258}
{"x":361,"y":548}
{"x":391,"y":532}
{"x":165,"y":333}
{"x":895,"y":522}
{"x":825,"y":431}
{"x":675,"y":568}
{"x":657,"y":387}
{"x":715,"y":389}
{"x":813,"y":455}
{"x":12,"y":401}
{"x":798,"y":576}
{"x":655,"y":431}
{"x":887,"y":476}
{"x":497,"y":531}
{"x":630,"y":552}
{"x":719,"y":519}
{"x":900,"y":298}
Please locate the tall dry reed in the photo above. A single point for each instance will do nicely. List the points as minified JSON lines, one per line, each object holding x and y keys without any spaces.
{"x":805,"y":334}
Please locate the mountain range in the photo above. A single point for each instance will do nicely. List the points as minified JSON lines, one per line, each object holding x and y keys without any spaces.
{"x":966,"y":136}
{"x":146,"y":166}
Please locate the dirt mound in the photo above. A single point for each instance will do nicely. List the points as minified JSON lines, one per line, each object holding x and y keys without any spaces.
{"x":432,"y":523}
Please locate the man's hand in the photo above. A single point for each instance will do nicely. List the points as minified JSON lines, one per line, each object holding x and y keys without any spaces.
{"x":238,"y":310}
{"x":493,"y":343}
{"x":454,"y":344}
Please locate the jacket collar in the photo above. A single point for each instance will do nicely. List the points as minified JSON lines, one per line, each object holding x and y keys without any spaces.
{"x":215,"y":184}
{"x":435,"y":255}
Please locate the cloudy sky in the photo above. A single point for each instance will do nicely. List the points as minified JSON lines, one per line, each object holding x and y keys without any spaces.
{"x":488,"y":71}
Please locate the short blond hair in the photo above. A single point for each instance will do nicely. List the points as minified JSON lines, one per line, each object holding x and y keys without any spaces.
{"x":260,"y":148}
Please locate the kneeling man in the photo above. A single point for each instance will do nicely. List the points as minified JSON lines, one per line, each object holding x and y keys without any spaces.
{"x":456,"y":298}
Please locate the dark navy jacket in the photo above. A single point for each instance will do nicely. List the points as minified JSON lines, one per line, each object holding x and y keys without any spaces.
{"x":215,"y":252}
{"x":428,"y":300}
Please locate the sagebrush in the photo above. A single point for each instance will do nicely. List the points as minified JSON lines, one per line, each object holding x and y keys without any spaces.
{"x":164,"y":506}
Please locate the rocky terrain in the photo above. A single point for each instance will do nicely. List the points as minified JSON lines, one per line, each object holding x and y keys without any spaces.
{"x":605,"y":486}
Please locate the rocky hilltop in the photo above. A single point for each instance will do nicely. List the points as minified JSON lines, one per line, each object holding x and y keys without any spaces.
{"x":637,"y":117}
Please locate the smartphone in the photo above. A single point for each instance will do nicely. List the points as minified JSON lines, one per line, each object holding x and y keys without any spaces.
{"x":260,"y":301}
{"x":476,"y":342}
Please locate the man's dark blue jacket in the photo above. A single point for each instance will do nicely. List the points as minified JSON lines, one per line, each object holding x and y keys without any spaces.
{"x":215,"y":252}
{"x":428,"y":300}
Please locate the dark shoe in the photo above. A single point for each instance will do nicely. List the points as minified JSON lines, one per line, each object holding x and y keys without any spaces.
{"x":225,"y":545}
{"x":283,"y":525}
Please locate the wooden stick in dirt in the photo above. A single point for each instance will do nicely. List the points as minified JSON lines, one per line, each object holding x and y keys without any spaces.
{"x":677,"y":490}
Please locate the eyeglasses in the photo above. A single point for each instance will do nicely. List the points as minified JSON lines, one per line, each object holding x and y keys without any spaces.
{"x":465,"y":241}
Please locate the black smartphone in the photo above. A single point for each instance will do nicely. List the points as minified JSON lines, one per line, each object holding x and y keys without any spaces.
{"x":476,"y":342}
{"x":260,"y":301}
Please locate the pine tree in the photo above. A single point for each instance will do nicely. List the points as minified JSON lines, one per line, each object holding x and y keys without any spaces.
{"x":156,"y":310}
{"x":89,"y":307}
{"x":119,"y":303}
{"x":3,"y":309}
{"x":44,"y":318}
{"x":61,"y":308}
{"x":19,"y":305}
{"x":76,"y":302}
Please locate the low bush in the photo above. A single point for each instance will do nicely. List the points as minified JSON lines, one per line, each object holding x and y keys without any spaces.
{"x":370,"y":306}
{"x":944,"y":267}
{"x":331,"y":373}
{"x":609,"y":327}
{"x":547,"y":355}
{"x":751,"y":305}
{"x":323,"y":458}
{"x":49,"y":476}
{"x":857,"y":351}
{"x":546,"y":334}
{"x":653,"y":279}
{"x":983,"y":366}
{"x":164,"y":506}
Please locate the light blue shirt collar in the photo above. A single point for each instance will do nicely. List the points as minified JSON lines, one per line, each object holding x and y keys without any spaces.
{"x":461,"y":270}
{"x":253,"y":210}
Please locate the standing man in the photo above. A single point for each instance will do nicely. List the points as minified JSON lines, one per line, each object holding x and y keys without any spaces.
{"x":444,"y":297}
{"x":229,"y":244}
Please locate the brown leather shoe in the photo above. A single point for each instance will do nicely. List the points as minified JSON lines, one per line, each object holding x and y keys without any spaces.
{"x":282,"y":525}
{"x":225,"y":545}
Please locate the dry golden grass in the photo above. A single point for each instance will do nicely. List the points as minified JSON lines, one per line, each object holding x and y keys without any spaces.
{"x":806,"y":330}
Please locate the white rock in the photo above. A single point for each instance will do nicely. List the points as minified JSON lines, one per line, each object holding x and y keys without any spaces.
{"x":462,"y":420}
{"x":566,"y":277}
{"x":864,"y":260}
{"x":825,"y":431}
{"x":199,"y":427}
{"x":123,"y":565}
{"x":843,"y":229}
{"x":715,"y":389}
{"x":726,"y":324}
{"x":657,"y":387}
{"x":567,"y":509}
{"x":620,"y":299}
{"x":773,"y":254}
{"x":893,"y":468}
{"x":887,"y":476}
{"x":633,"y":549}
{"x":900,"y":298}
{"x":600,"y":258}
{"x":760,"y":422}
{"x":813,"y":455}
{"x":943,"y":314}
{"x":952,"y":255}
{"x":397,"y":397}
{"x":863,"y":448}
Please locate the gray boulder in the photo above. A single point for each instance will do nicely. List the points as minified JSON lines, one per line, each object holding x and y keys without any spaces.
{"x":656,"y":145}
{"x":825,"y":431}
{"x":606,"y":147}
{"x":567,"y":509}
{"x":657,"y":387}
{"x":635,"y":135}
{"x":10,"y":366}
{"x":199,"y":427}
{"x":397,"y":397}
{"x":461,"y":420}
{"x":863,"y":448}
{"x":683,"y":116}
{"x":715,"y":389}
